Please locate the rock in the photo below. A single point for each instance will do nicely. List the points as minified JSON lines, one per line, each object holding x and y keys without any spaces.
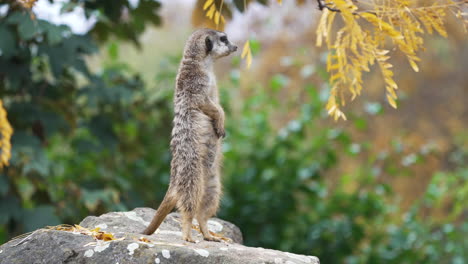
{"x":165,"y":246}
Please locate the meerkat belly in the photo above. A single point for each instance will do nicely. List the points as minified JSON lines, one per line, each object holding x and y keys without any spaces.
{"x":205,"y":130}
{"x":212,"y":91}
{"x":198,"y":137}
{"x":208,"y":141}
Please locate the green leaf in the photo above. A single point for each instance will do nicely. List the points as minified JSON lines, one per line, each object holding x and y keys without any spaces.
{"x":54,"y":34}
{"x":69,"y":54}
{"x":25,"y":188}
{"x":15,"y":18}
{"x":23,"y":146}
{"x":68,"y":7}
{"x":101,"y":127}
{"x":255,"y":46}
{"x":113,"y":50}
{"x":28,"y":29}
{"x":38,"y":163}
{"x":278,"y":81}
{"x":7,"y":43}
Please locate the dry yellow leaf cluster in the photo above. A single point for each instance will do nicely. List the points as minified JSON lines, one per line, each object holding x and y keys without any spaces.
{"x":247,"y":54}
{"x":96,"y":233}
{"x":5,"y":132}
{"x":213,"y":13}
{"x":361,"y":41}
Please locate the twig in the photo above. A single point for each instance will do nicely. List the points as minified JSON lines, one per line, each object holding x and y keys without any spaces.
{"x":322,"y":5}
{"x":26,"y":238}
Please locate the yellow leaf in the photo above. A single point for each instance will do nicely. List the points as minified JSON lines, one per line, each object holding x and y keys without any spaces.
{"x":247,"y":54}
{"x":249,"y":59}
{"x":336,"y":116}
{"x":246,"y":49}
{"x":331,"y":18}
{"x":207,"y":4}
{"x":80,"y":228}
{"x":343,"y":116}
{"x":104,"y":236}
{"x":5,"y":132}
{"x":391,"y":101}
{"x":210,"y":12}
{"x":390,"y":82}
{"x":382,"y":52}
{"x":331,"y":110}
{"x":144,"y":239}
{"x":216,"y":17}
{"x":336,"y":76}
{"x":414,"y":65}
{"x":333,"y":67}
{"x":382,"y":25}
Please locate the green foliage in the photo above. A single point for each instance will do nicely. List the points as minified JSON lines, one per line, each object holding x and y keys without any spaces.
{"x":112,"y":21}
{"x":277,"y":192}
{"x":72,"y":126}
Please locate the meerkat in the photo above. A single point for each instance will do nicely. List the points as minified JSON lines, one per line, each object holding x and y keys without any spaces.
{"x":198,"y":129}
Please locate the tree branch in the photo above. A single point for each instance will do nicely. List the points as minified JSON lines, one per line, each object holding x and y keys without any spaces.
{"x":322,"y":5}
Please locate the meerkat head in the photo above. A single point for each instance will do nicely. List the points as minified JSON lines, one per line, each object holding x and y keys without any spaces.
{"x":205,"y":43}
{"x":218,"y":45}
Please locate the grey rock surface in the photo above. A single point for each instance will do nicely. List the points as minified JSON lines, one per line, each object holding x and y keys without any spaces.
{"x":165,"y":246}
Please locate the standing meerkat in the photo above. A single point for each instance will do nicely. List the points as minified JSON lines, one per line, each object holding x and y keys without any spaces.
{"x":198,"y":129}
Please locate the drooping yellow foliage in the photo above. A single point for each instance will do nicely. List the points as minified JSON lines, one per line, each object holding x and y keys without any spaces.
{"x":5,"y":133}
{"x":213,"y":13}
{"x":361,"y":40}
{"x":247,"y":54}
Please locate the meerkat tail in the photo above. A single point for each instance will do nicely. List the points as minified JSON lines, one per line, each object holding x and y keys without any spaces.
{"x":164,"y":209}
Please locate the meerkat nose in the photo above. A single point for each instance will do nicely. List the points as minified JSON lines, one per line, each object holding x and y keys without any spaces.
{"x":235,"y":48}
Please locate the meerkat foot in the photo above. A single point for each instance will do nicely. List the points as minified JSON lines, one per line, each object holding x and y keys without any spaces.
{"x":189,"y":239}
{"x":211,"y":238}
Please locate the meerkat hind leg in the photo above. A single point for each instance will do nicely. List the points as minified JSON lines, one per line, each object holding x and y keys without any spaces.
{"x":211,"y":196}
{"x":202,"y":220}
{"x":209,"y":207}
{"x":187,"y":227}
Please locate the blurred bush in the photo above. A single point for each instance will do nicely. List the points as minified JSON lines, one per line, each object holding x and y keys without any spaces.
{"x":68,"y":122}
{"x":277,"y":192}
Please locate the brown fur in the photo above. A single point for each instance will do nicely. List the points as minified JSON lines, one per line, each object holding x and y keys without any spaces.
{"x":195,"y":184}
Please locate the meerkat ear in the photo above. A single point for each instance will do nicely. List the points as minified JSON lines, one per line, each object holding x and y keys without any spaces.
{"x":209,"y":44}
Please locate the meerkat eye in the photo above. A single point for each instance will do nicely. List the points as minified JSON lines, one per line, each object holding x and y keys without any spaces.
{"x":223,"y":39}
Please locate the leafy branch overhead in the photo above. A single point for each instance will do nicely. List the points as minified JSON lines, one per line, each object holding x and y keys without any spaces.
{"x":361,"y":41}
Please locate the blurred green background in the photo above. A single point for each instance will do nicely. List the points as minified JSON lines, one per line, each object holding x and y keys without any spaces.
{"x":92,"y":114}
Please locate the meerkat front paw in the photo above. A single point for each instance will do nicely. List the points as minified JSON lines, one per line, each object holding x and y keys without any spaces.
{"x":220,"y":132}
